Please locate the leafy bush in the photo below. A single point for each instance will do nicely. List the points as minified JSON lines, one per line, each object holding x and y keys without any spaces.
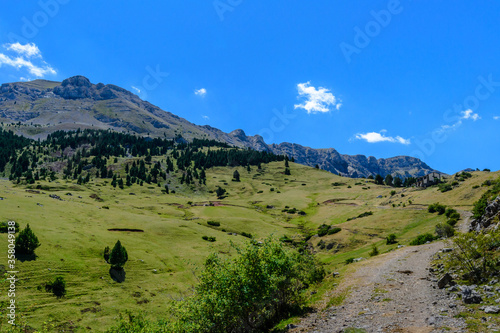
{"x":334,"y":230}
{"x":476,"y":255}
{"x":452,"y":221}
{"x":248,"y":293}
{"x":323,"y":230}
{"x":480,"y":205}
{"x":374,"y":251}
{"x":4,"y":227}
{"x":422,"y":239}
{"x":436,"y":207}
{"x":349,"y":261}
{"x":450,"y":211}
{"x":209,"y":239}
{"x":57,"y":287}
{"x":106,"y":254}
{"x":444,"y":230}
{"x":445,"y":187}
{"x":214,"y":223}
{"x":26,"y":241}
{"x":393,"y":193}
{"x":246,"y":234}
{"x":391,"y":239}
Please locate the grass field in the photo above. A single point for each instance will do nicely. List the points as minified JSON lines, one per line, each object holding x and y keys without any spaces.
{"x":164,"y":259}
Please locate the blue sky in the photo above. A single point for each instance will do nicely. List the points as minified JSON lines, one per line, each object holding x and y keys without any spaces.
{"x":380,"y":78}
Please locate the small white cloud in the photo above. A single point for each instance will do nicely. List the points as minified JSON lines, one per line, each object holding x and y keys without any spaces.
{"x":496,"y":117}
{"x":374,"y":137}
{"x":200,"y":92}
{"x":316,"y":100}
{"x":137,"y":90}
{"x":205,"y":117}
{"x":28,"y":50}
{"x":21,"y":60}
{"x":469,"y":114}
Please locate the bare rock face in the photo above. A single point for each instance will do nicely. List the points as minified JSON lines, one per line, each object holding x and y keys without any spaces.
{"x":79,"y":87}
{"x":487,"y":221}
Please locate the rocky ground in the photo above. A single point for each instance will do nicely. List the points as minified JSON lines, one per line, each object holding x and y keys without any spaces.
{"x":399,"y":292}
{"x":394,"y":292}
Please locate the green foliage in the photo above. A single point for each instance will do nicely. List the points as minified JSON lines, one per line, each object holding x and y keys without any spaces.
{"x":209,"y":239}
{"x":444,"y":230}
{"x":437,"y":207}
{"x":287,"y":171}
{"x":236,"y":176}
{"x":349,"y":261}
{"x":106,"y":253}
{"x":214,"y":223}
{"x":57,"y":287}
{"x":391,"y":239}
{"x":389,"y":180}
{"x":422,"y":239}
{"x":118,"y":256}
{"x":374,"y":251}
{"x":393,"y":193}
{"x":4,"y":227}
{"x":450,"y":211}
{"x":26,"y":241}
{"x":246,"y":234}
{"x":476,"y":255}
{"x":379,"y":180}
{"x":250,"y":292}
{"x":445,"y":187}
{"x":220,"y":192}
{"x":334,"y":230}
{"x":480,"y":205}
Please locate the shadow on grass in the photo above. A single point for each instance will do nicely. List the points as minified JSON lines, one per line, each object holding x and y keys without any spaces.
{"x":117,"y":274}
{"x":26,"y":257}
{"x":285,"y":324}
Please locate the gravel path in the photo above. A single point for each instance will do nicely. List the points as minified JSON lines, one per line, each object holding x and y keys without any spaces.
{"x":391,"y":293}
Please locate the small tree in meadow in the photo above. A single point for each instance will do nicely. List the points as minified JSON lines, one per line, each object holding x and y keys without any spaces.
{"x":118,"y":256}
{"x":26,"y":241}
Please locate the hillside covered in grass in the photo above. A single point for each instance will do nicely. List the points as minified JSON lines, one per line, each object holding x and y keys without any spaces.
{"x":171,"y":203}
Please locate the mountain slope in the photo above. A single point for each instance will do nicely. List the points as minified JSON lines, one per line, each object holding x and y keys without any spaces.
{"x":42,"y":107}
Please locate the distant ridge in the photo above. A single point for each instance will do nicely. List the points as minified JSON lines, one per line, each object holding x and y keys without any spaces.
{"x":43,"y":107}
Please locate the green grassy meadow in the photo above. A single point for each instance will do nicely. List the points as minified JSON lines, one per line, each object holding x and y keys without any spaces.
{"x":165,"y":258}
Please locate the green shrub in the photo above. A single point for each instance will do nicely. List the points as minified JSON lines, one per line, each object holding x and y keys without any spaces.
{"x":391,"y":239}
{"x":214,"y":223}
{"x":450,"y":211}
{"x":422,"y":239}
{"x":445,"y":187}
{"x":349,"y":261}
{"x":4,"y":227}
{"x":436,"y":207}
{"x":452,"y":221}
{"x":248,"y":293}
{"x":57,"y":287}
{"x":476,"y":255}
{"x":208,"y":239}
{"x":444,"y":230}
{"x":374,"y":251}
{"x":334,"y":230}
{"x":247,"y":234}
{"x":393,"y":193}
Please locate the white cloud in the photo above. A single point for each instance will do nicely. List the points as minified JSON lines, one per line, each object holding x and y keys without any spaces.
{"x":205,"y":117}
{"x":200,"y":92}
{"x":374,"y":137}
{"x":136,"y":89}
{"x":469,"y":114}
{"x":21,"y":60}
{"x":316,"y":100}
{"x":464,"y":115}
{"x":28,"y":50}
{"x":496,"y":117}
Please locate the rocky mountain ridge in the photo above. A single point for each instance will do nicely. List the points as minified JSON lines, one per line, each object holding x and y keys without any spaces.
{"x":42,"y":107}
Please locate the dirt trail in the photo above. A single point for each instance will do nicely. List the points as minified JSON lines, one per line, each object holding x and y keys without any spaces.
{"x":393,"y":292}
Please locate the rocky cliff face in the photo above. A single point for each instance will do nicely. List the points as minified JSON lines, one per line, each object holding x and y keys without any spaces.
{"x":46,"y":106}
{"x":490,"y":218}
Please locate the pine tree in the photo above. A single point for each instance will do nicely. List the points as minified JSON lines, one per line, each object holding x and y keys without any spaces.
{"x":379,"y":180}
{"x":287,"y":171}
{"x":26,"y":241}
{"x":118,"y":256}
{"x":236,"y":176}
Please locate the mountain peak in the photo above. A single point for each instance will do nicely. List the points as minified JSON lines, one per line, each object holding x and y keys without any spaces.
{"x":77,"y":81}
